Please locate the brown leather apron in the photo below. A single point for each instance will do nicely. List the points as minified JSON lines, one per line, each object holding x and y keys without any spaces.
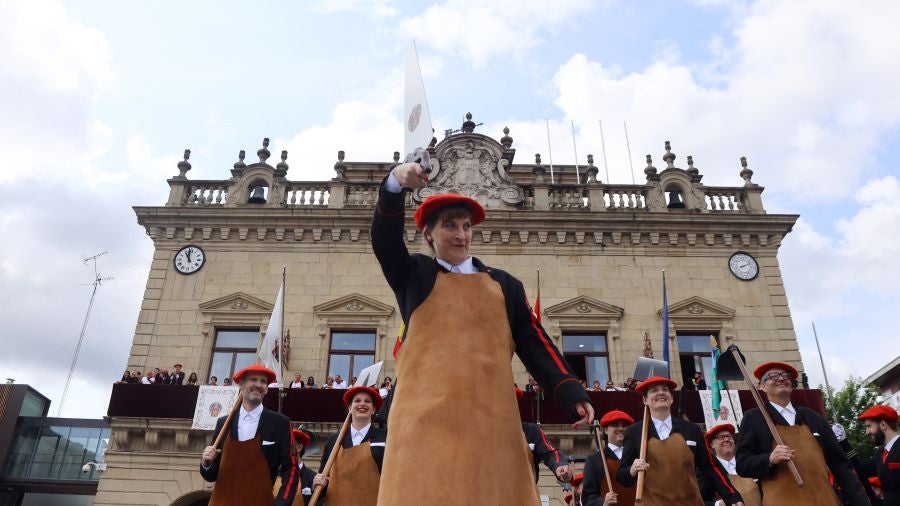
{"x":354,"y":477}
{"x":455,"y":434}
{"x":625,"y":494}
{"x":672,"y":477}
{"x":244,"y":478}
{"x":781,"y":489}
{"x":747,"y":488}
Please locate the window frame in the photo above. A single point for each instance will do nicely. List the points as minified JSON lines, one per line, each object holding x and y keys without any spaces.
{"x":604,"y":354}
{"x":230,"y":349}
{"x":347,"y":352}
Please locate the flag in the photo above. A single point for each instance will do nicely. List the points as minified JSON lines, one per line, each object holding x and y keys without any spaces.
{"x":269,"y":352}
{"x":417,"y":132}
{"x":714,"y":383}
{"x":665,"y":327}
{"x":537,"y":300}
{"x":399,"y":338}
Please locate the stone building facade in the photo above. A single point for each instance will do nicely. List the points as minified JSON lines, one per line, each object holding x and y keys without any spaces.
{"x":600,"y":248}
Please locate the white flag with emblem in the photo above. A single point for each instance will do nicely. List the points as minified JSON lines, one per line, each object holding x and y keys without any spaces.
{"x":417,"y":128}
{"x":269,"y":353}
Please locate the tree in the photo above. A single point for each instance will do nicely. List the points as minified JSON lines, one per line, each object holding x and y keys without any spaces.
{"x":851,"y":400}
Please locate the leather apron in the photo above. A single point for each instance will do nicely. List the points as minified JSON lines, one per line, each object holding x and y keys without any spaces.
{"x":625,"y":494}
{"x":244,"y":478}
{"x":747,"y":488}
{"x":672,"y":477}
{"x":354,"y":477}
{"x":780,"y":488}
{"x":455,"y":435}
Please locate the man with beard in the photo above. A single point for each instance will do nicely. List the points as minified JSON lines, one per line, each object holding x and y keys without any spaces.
{"x":676,"y":451}
{"x":808,"y":441}
{"x":881,"y":426}
{"x":256,"y":450}
{"x":596,"y":491}
{"x":720,"y":440}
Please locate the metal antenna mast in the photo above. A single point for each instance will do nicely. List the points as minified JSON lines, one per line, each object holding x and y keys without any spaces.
{"x":98,"y":280}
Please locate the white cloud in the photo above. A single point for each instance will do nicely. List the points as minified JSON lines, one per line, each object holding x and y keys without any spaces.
{"x":378,"y":8}
{"x":480,"y":31}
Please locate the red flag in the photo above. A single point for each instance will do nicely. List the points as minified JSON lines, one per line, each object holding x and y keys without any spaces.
{"x":537,"y":300}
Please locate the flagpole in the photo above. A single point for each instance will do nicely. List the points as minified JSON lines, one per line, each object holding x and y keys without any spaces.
{"x":603,"y":145}
{"x":539,"y":391}
{"x":665,"y":327}
{"x":575,"y":149}
{"x":281,"y":391}
{"x":824,"y":373}
{"x":550,"y":150}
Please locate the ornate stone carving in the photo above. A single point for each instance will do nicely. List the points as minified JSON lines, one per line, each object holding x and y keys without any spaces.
{"x":472,"y":165}
{"x":694,"y":309}
{"x":355,"y":305}
{"x":583,"y":308}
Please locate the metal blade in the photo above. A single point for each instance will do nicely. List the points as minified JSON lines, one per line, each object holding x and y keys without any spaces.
{"x":416,"y":117}
{"x":647,"y":367}
{"x":369,"y":376}
{"x":727,"y":367}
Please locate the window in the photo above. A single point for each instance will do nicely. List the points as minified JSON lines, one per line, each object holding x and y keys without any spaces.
{"x":588,"y":356}
{"x":350,"y":353}
{"x":232,"y":351}
{"x":695,"y":354}
{"x":41,"y":451}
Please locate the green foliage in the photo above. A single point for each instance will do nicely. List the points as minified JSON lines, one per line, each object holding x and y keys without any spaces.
{"x":851,"y":400}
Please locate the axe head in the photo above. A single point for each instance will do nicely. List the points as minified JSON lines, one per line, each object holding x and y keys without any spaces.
{"x":647,"y":367}
{"x":727,"y":367}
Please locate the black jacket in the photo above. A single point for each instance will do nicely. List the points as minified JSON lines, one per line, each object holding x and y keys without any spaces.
{"x":542,"y":450}
{"x":273,"y":427}
{"x":755,"y":446}
{"x":412,"y":277}
{"x":887,"y":471}
{"x":706,"y":465}
{"x":306,"y":481}
{"x":594,"y":476}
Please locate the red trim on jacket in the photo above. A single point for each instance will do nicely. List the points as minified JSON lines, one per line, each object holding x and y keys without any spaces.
{"x":293,"y":452}
{"x":397,"y":213}
{"x":712,"y":462}
{"x":546,"y":343}
{"x":550,"y":446}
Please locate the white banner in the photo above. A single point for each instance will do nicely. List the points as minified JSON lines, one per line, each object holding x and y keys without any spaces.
{"x":729,"y":412}
{"x":213,"y":402}
{"x":270,"y":351}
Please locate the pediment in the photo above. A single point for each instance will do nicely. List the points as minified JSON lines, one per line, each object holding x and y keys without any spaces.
{"x":353,"y":305}
{"x":698,"y":307}
{"x":236,"y":302}
{"x":584,"y":306}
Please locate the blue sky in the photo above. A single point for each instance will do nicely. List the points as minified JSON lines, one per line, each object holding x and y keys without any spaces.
{"x":98,"y":99}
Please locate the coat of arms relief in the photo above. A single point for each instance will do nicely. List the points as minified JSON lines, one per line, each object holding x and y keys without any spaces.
{"x":473,"y":168}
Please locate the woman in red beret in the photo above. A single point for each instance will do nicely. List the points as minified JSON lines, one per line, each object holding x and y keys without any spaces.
{"x":356,"y":471}
{"x":462,"y":319}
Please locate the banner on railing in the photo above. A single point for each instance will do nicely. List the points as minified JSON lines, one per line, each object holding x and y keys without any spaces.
{"x":730,"y":411}
{"x":213,"y":402}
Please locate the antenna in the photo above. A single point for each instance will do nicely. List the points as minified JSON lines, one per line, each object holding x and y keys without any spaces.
{"x":98,"y":281}
{"x":628,"y":144}
{"x":603,"y":145}
{"x":550,"y":151}
{"x":575,"y":148}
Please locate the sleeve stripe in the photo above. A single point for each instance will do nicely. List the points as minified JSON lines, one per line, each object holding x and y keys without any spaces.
{"x":718,"y":472}
{"x":543,"y":338}
{"x":387,"y":214}
{"x":550,"y":446}
{"x":290,"y":483}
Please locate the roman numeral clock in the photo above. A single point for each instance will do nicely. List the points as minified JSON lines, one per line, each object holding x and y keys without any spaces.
{"x":189,"y":259}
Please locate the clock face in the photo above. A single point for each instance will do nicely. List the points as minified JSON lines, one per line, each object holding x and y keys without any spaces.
{"x":743,"y":266}
{"x":189,"y":259}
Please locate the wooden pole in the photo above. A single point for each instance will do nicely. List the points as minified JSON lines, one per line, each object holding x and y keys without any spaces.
{"x":765,"y":413}
{"x":639,"y":494}
{"x":317,"y":491}
{"x":602,"y":449}
{"x":226,"y":426}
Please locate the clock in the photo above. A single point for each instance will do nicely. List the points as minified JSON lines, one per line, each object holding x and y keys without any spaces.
{"x":189,"y":259}
{"x":743,"y":266}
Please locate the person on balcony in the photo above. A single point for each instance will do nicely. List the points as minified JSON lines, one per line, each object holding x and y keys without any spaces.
{"x":256,"y":449}
{"x":596,"y":490}
{"x":356,"y":471}
{"x":463,"y":319}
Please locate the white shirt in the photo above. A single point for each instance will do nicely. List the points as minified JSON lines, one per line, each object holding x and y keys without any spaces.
{"x":663,"y":427}
{"x":730,"y":465}
{"x":359,"y":435}
{"x":467,"y":267}
{"x":342,"y":385}
{"x":890,"y":444}
{"x":615,"y":449}
{"x":248,"y":423}
{"x":297,"y":384}
{"x":788,"y":412}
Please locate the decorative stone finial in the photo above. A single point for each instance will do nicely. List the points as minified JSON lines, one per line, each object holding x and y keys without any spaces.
{"x":282,"y":167}
{"x":468,"y":125}
{"x":396,"y":157}
{"x":263,"y":153}
{"x":184,"y":165}
{"x":506,"y":140}
{"x":669,"y":157}
{"x":590,"y":160}
{"x":239,"y":165}
{"x":537,"y":158}
{"x":538,"y":169}
{"x":650,"y":170}
{"x":692,"y":171}
{"x":591,"y":170}
{"x":746,"y":173}
{"x":340,"y":168}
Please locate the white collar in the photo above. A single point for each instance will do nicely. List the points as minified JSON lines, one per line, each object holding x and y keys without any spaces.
{"x":467,"y":267}
{"x":658,"y":423}
{"x":890,"y":444}
{"x":254,"y":414}
{"x":613,"y":447}
{"x":363,"y":431}
{"x":781,"y":409}
{"x":299,"y":465}
{"x":733,"y":460}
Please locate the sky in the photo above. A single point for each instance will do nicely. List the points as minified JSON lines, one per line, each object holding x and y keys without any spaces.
{"x":98,"y":100}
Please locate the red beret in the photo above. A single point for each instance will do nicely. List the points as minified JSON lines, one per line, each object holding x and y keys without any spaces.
{"x":879,"y":412}
{"x":301,"y":437}
{"x":875,"y":481}
{"x":519,"y":393}
{"x":645,"y":385}
{"x":616,"y":416}
{"x":351,"y":393}
{"x":717,"y":429}
{"x":436,"y":202}
{"x":760,"y":371}
{"x":577,"y":479}
{"x":255,"y":368}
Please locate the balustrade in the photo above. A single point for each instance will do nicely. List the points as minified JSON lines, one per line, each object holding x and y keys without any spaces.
{"x":722,"y":199}
{"x":306,"y":194}
{"x":625,"y":197}
{"x":206,"y":193}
